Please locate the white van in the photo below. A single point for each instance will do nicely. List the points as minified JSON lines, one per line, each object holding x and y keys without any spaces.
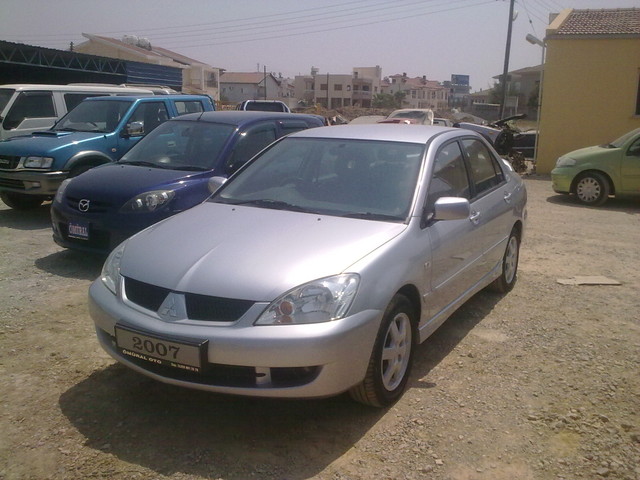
{"x":25,"y":108}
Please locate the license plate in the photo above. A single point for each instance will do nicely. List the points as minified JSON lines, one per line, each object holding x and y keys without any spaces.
{"x":184,"y":354}
{"x":78,"y":229}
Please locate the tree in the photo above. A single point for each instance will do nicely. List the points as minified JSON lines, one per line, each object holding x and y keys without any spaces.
{"x":386,"y":100}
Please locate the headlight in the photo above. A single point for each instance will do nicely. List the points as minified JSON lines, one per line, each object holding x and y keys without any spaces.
{"x":148,"y":201}
{"x":565,"y":162}
{"x":322,"y":300}
{"x":38,"y":162}
{"x":61,"y":189}
{"x":110,"y":275}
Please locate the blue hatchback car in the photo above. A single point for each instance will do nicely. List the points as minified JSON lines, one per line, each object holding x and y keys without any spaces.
{"x":167,"y":172}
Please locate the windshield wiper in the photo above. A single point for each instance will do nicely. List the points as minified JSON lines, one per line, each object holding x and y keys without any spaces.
{"x":141,"y":163}
{"x":192,"y":168}
{"x":372,"y":216}
{"x":268,"y":203}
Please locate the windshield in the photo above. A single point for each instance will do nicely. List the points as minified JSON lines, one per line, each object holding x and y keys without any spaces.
{"x":5,"y":96}
{"x":619,"y":143}
{"x":371,"y":179}
{"x":414,"y":114}
{"x":181,"y":145}
{"x":91,"y":116}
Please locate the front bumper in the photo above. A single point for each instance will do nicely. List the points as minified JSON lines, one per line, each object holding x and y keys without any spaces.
{"x":31,"y":182}
{"x":292,"y":361}
{"x":561,"y":179}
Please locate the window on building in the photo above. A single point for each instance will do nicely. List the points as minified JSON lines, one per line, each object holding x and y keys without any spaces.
{"x":323,"y":86}
{"x":337,"y":87}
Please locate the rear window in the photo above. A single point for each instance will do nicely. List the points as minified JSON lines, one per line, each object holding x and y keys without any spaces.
{"x":191,"y":106}
{"x":264,"y":107}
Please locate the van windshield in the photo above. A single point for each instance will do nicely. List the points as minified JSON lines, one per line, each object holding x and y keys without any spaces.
{"x":90,"y":116}
{"x":5,"y":96}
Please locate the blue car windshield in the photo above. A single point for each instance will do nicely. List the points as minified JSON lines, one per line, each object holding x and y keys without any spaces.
{"x":93,"y":117}
{"x":371,"y":179}
{"x":181,"y":145}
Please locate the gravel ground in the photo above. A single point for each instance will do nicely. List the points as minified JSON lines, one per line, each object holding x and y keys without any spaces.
{"x":541,"y":383}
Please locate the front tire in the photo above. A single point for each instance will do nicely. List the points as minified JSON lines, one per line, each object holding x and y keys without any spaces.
{"x":392,"y":356}
{"x":507,"y":279}
{"x":592,"y":188}
{"x":21,"y":201}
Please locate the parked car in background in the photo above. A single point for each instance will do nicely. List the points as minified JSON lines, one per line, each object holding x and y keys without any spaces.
{"x":99,"y":130}
{"x":592,"y":174}
{"x":442,"y":122}
{"x":263,"y":106}
{"x":367,"y":119}
{"x":165,"y":173}
{"x":421,"y":116}
{"x":318,"y":267}
{"x":25,"y":108}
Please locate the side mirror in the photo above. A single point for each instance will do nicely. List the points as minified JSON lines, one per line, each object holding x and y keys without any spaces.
{"x":215,"y":183}
{"x":451,"y":208}
{"x":133,"y":129}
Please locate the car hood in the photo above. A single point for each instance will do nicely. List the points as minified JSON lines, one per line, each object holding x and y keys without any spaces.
{"x":247,"y":252}
{"x":596,"y":153}
{"x":45,"y":143}
{"x":116,"y":183}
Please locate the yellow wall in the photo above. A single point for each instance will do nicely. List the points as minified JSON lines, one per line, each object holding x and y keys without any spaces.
{"x":590,"y":88}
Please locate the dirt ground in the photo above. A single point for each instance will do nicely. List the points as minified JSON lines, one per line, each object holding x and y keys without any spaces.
{"x":542,"y":383}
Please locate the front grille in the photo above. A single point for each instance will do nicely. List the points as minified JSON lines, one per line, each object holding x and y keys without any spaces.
{"x":199,"y":307}
{"x":95,"y":206}
{"x":9,"y":161}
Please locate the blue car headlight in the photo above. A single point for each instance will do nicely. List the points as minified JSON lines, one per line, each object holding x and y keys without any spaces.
{"x":322,"y":300}
{"x":38,"y":162}
{"x":148,"y":201}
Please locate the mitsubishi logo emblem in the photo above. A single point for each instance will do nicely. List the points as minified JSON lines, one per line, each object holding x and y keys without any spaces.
{"x":173,"y":308}
{"x":83,"y":205}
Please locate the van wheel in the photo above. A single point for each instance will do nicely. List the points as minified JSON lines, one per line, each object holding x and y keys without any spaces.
{"x":392,"y":356}
{"x":21,"y":201}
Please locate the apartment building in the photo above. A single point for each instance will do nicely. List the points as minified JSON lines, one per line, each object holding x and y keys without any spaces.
{"x":332,"y":90}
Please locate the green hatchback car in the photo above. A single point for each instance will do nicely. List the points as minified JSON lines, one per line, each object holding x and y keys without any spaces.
{"x":594,"y":173}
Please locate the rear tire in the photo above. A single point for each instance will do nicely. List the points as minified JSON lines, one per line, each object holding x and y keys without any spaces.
{"x":507,"y":279}
{"x":21,"y":201}
{"x":391,"y":358}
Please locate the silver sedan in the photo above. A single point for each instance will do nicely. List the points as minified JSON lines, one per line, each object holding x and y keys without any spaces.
{"x":318,"y":267}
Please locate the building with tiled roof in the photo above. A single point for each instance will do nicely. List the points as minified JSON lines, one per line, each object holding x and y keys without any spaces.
{"x":197,"y":77}
{"x":591,"y":84}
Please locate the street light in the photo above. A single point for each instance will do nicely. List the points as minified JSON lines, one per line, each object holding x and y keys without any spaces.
{"x":533,"y":40}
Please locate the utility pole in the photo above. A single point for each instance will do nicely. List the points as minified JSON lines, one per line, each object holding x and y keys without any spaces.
{"x":506,"y":61}
{"x":265,"y":82}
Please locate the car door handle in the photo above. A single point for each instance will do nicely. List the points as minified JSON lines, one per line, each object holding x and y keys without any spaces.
{"x":475,"y":217}
{"x":507,"y":197}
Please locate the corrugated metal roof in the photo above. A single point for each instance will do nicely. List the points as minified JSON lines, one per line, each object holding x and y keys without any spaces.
{"x":619,"y":21}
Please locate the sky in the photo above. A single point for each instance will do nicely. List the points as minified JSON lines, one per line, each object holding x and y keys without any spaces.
{"x":434,"y":38}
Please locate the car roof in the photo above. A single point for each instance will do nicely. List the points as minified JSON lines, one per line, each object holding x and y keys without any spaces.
{"x":238,"y":117}
{"x":380,"y":131}
{"x":146,"y":98}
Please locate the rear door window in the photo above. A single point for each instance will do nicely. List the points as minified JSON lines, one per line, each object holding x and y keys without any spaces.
{"x":151,"y":114}
{"x":30,"y":105}
{"x":485,"y":170}
{"x":71,"y":100}
{"x":189,"y":106}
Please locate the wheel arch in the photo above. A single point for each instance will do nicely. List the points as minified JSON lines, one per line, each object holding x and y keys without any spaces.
{"x":607,"y":177}
{"x":413,"y":295}
{"x":91,"y":157}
